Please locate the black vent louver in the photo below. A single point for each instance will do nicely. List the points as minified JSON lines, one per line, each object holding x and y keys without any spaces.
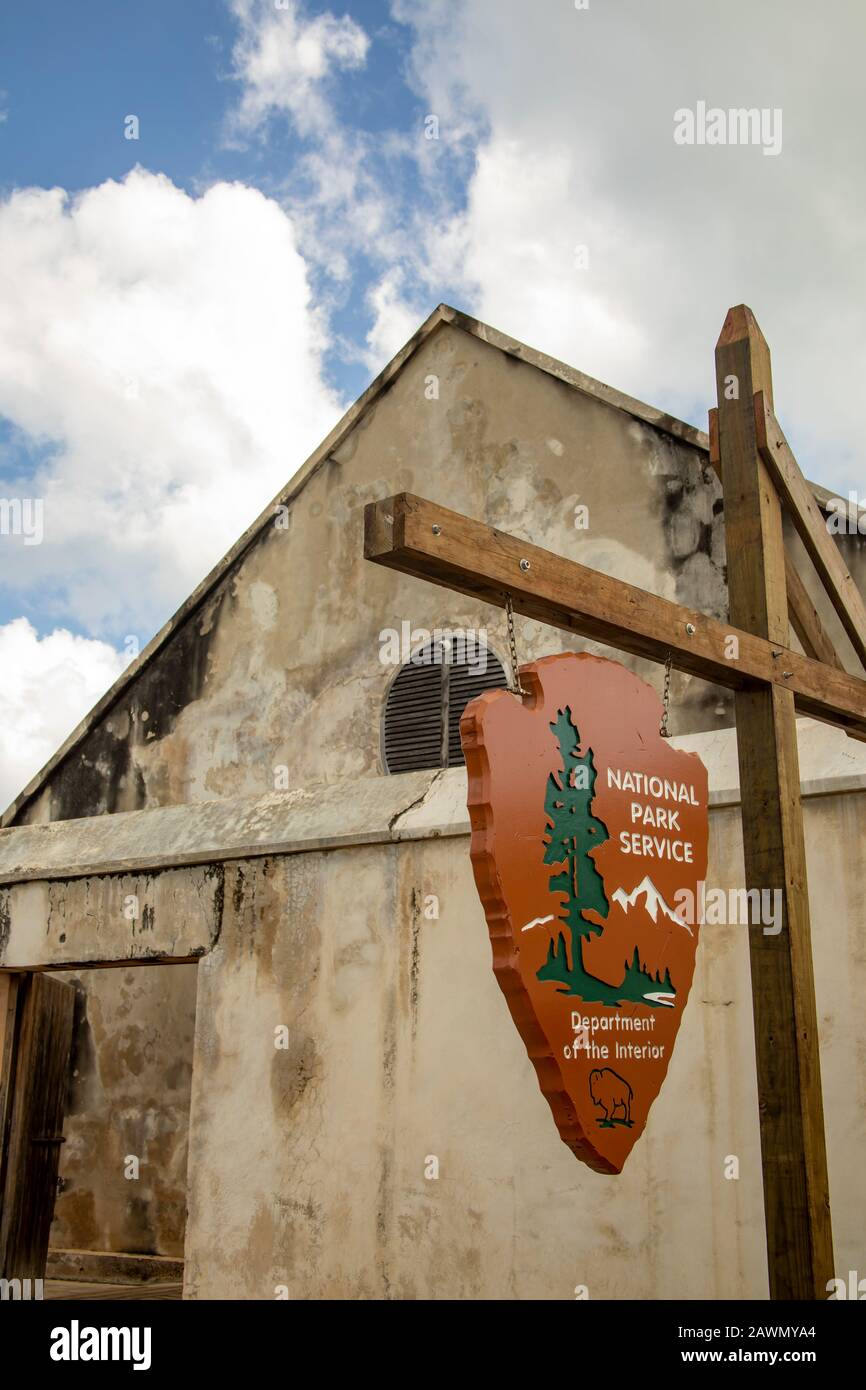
{"x":424,"y":705}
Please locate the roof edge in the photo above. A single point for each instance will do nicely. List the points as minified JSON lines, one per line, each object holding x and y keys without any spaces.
{"x":443,"y":313}
{"x":286,"y":495}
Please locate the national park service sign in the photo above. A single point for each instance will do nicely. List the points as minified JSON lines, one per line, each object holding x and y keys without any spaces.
{"x":589,"y":840}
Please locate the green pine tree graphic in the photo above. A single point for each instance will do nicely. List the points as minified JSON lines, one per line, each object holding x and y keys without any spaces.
{"x":572,"y":833}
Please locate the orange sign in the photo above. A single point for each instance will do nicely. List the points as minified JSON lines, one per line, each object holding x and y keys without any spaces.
{"x":589,"y":840}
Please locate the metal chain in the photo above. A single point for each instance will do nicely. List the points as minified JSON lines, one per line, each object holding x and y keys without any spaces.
{"x":663,"y":727}
{"x":515,"y":675}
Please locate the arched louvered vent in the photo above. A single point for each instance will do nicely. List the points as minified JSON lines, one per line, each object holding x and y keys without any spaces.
{"x":465,"y":681}
{"x":413,"y":718}
{"x":426,"y":699}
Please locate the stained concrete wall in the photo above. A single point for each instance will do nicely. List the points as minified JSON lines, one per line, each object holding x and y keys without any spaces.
{"x":129,"y":1097}
{"x":402,"y":1048}
{"x":307,"y":1163}
{"x":307,"y":1166}
{"x":57,"y":923}
{"x":132,"y":1041}
{"x":280,"y":665}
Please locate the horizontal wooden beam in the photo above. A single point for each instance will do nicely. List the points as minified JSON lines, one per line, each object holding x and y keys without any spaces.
{"x":811,"y":525}
{"x":802,"y":613}
{"x":420,"y":538}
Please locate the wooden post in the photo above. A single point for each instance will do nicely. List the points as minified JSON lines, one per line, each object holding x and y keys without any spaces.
{"x":796,"y":1194}
{"x":9,"y":984}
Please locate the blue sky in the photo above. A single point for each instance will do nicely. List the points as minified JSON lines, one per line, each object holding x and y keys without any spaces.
{"x":70,"y":74}
{"x":185,"y":315}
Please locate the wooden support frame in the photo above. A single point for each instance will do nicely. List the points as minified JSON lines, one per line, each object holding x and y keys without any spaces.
{"x":36,"y":1081}
{"x":803,"y":615}
{"x":796,"y":494}
{"x":790,"y":1110}
{"x":9,"y":985}
{"x":749,"y":655}
{"x":420,"y":538}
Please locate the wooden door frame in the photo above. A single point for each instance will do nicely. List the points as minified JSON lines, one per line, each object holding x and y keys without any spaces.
{"x":38,"y":1023}
{"x":13,"y":995}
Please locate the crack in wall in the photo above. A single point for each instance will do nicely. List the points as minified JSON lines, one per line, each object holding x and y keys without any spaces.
{"x":413,"y":805}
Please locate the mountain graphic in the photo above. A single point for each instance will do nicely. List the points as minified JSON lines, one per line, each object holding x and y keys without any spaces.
{"x":653,"y":902}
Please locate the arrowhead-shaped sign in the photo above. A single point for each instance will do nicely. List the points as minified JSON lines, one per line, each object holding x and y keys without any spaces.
{"x":589,"y":841}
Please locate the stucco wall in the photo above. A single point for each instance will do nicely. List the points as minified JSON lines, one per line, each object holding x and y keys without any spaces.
{"x":129,"y":1097}
{"x":281,"y":664}
{"x":308,"y":1165}
{"x":278,"y":665}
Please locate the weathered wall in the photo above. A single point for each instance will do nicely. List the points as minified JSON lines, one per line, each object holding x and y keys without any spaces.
{"x":281,"y":664}
{"x":132,"y":1058}
{"x":307,"y":1166}
{"x":80,"y":921}
{"x":130,"y":1091}
{"x":132,"y":1048}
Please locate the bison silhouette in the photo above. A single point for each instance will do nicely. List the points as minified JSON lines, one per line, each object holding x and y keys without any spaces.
{"x":611,"y":1092}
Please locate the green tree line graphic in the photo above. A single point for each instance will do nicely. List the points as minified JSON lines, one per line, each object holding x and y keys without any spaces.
{"x":573,"y":832}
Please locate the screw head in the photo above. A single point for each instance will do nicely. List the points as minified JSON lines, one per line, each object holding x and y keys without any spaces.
{"x":690,"y":629}
{"x":437,"y":530}
{"x":524,"y":565}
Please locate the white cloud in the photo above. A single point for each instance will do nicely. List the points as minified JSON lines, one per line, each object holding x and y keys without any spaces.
{"x":288,"y":65}
{"x":519,"y":246}
{"x":572,"y":115}
{"x":394,"y":321}
{"x":47,"y":686}
{"x":168,"y":351}
{"x":284,"y":61}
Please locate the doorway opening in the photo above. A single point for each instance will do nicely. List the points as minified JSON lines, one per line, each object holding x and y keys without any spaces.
{"x":95,"y":1084}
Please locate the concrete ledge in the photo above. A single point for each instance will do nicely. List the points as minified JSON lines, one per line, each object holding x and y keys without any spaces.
{"x":372,"y":810}
{"x":831,"y":763}
{"x":357,"y":812}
